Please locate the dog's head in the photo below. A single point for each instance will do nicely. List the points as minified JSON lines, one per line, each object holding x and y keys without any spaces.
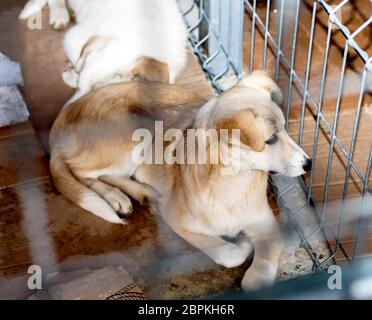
{"x":252,"y":107}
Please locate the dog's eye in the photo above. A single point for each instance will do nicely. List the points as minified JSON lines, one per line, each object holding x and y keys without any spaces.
{"x":274,"y":138}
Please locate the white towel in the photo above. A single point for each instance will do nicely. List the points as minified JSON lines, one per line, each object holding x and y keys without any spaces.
{"x":12,"y":107}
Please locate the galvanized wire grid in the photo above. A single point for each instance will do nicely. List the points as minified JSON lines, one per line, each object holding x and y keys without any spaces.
{"x":216,"y":29}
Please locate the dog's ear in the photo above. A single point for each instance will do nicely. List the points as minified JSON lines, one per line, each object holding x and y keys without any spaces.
{"x":250,"y":133}
{"x":150,"y":69}
{"x":264,"y":80}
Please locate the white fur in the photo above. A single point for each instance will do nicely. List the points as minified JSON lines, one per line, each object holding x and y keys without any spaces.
{"x":232,"y":255}
{"x":222,"y":215}
{"x":59,"y":16}
{"x":32,"y":7}
{"x":285,"y":156}
{"x":129,"y":29}
{"x":137,"y":28}
{"x":132,"y":28}
{"x":94,"y":203}
{"x":262,"y":276}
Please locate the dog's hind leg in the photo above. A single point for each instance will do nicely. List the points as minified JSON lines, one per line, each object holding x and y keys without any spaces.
{"x":32,"y":7}
{"x":136,"y":190}
{"x":59,"y":16}
{"x":119,"y":201}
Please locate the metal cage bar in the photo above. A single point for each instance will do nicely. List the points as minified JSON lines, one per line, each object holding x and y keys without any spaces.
{"x":260,"y":23}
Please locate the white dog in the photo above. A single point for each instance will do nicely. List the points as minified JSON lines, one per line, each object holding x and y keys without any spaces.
{"x":109,"y":36}
{"x":222,"y":215}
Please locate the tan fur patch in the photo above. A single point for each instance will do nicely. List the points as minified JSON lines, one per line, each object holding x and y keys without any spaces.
{"x":74,"y":116}
{"x":151,"y":69}
{"x":250,"y":133}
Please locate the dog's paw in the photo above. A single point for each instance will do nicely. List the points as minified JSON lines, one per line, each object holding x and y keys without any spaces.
{"x":230,"y":255}
{"x":119,"y":201}
{"x":149,"y":196}
{"x":260,"y":275}
{"x":59,"y":18}
{"x":70,"y":77}
{"x":29,"y":10}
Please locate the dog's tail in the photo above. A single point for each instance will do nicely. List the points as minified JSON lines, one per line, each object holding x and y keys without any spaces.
{"x":32,"y":7}
{"x":263,"y":79}
{"x":78,"y":193}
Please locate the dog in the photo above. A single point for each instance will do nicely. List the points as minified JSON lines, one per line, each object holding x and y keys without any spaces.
{"x":109,"y":36}
{"x":93,"y":163}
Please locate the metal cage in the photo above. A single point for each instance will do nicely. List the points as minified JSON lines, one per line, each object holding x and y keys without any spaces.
{"x":321,"y":56}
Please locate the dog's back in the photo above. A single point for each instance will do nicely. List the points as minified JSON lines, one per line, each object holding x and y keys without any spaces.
{"x":94,"y":135}
{"x":125,"y":31}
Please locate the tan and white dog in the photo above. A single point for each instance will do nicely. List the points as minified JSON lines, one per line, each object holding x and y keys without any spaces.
{"x":109,"y":36}
{"x":226,"y":216}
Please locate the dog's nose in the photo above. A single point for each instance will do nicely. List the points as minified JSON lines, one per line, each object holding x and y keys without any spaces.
{"x":307,"y":165}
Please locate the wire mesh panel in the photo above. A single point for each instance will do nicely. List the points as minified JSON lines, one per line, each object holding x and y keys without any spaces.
{"x":320,"y":54}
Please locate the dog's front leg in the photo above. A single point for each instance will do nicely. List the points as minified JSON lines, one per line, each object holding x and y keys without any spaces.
{"x":222,"y":252}
{"x":268,"y":246}
{"x":59,"y":16}
{"x":114,"y":197}
{"x":136,"y":190}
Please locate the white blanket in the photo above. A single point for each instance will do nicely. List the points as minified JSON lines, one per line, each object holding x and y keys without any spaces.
{"x":12,"y":107}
